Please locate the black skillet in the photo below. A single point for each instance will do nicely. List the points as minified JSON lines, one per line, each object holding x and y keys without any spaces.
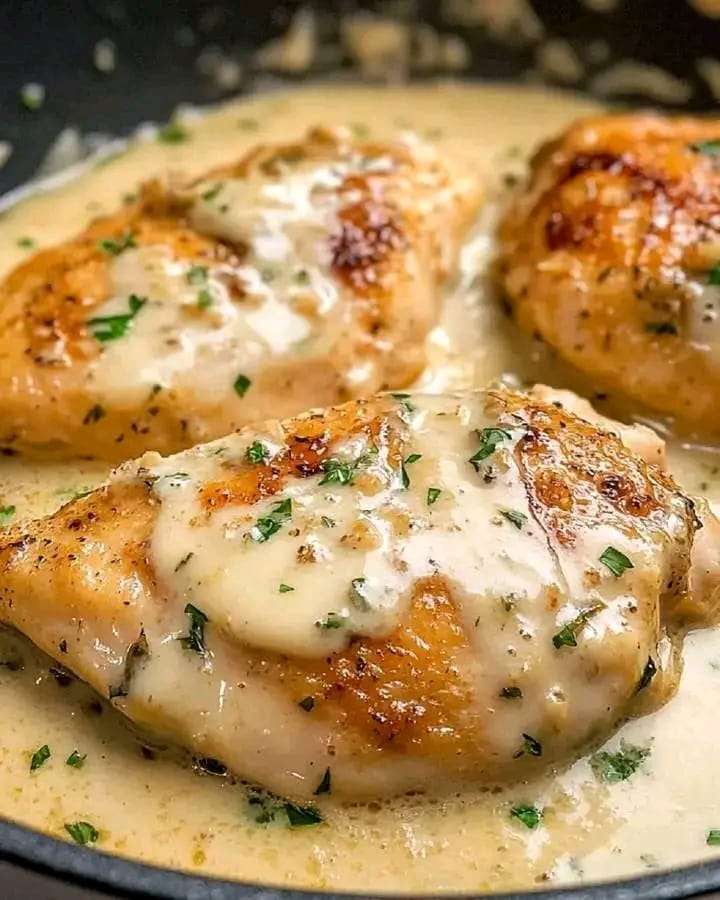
{"x":157,"y":46}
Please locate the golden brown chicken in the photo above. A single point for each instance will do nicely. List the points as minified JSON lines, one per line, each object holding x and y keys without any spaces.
{"x":305,"y":274}
{"x":612,"y":256}
{"x":372,"y":597}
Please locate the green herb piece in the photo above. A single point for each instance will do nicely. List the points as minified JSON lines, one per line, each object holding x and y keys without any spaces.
{"x":6,"y":514}
{"x":619,"y":766}
{"x":32,"y":96}
{"x":212,"y":192}
{"x":75,"y":760}
{"x":331,"y":621}
{"x":285,"y":588}
{"x":511,"y":693}
{"x":339,"y":472}
{"x":530,"y":816}
{"x":404,"y":477}
{"x":358,"y":594}
{"x":115,"y":248}
{"x":713,"y":837}
{"x":195,"y":638}
{"x":324,"y":786}
{"x":110,"y":328}
{"x":530,"y":745}
{"x":27,"y":243}
{"x":709,"y":148}
{"x":568,"y":634}
{"x":196,"y":275}
{"x":204,"y":299}
{"x":300,"y":816}
{"x":256,"y":453}
{"x":405,"y":402}
{"x":714,"y":276}
{"x":82,"y":832}
{"x":661,"y":328}
{"x":514,"y":516}
{"x":432,"y":495}
{"x":489,"y":439}
{"x":616,"y":561}
{"x":307,"y":703}
{"x":39,"y":757}
{"x":241,"y":385}
{"x":327,"y":521}
{"x":268,"y":525}
{"x":648,"y":674}
{"x":173,"y":133}
{"x":302,"y":277}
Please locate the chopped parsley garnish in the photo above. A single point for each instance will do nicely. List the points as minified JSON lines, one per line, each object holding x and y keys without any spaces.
{"x":404,"y":477}
{"x":339,"y":472}
{"x":195,"y":638}
{"x":115,"y":248}
{"x":661,"y":328}
{"x":489,"y":439}
{"x":285,"y":588}
{"x":713,"y":837}
{"x":530,"y":816}
{"x":511,"y":693}
{"x":268,"y":525}
{"x":76,"y":760}
{"x":39,"y":757}
{"x":432,"y":495}
{"x":714,"y":276}
{"x":709,"y":148}
{"x":27,"y":243}
{"x":327,"y":521}
{"x":568,"y":634}
{"x":110,"y":328}
{"x":173,"y":133}
{"x":300,"y":816}
{"x":358,"y":594}
{"x":204,"y":299}
{"x":82,"y":832}
{"x":616,"y":561}
{"x":648,"y":674}
{"x":332,"y":620}
{"x":307,"y":703}
{"x":196,"y":275}
{"x":212,"y":192}
{"x":514,"y":516}
{"x":405,"y":401}
{"x":530,"y":745}
{"x":6,"y":514}
{"x":324,"y":786}
{"x":241,"y":385}
{"x":613,"y":767}
{"x":256,"y":453}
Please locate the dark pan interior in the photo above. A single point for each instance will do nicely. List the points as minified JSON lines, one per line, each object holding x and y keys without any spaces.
{"x":158,"y":43}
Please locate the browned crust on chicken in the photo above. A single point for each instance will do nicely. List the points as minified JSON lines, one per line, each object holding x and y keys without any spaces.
{"x":604,"y":252}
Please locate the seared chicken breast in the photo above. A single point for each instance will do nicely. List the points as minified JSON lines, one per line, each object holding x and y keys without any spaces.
{"x":361,"y":599}
{"x":305,"y":274}
{"x":612,"y":256}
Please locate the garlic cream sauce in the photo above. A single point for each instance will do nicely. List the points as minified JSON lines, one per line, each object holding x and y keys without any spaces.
{"x":145,"y":799}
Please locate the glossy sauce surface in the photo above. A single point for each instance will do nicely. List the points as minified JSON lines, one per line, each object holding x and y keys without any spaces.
{"x":146,"y":801}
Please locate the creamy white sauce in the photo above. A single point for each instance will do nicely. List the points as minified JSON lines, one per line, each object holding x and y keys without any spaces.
{"x":159,"y":810}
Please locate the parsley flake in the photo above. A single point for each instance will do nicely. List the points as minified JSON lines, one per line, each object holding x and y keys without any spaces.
{"x":514,"y":516}
{"x":82,"y":832}
{"x":331,"y":621}
{"x":241,"y":385}
{"x":196,"y":275}
{"x":110,"y":328}
{"x":713,"y":837}
{"x":709,"y":148}
{"x":27,"y":243}
{"x":116,"y":247}
{"x":285,"y":588}
{"x":714,"y":276}
{"x":568,"y":634}
{"x":173,"y":133}
{"x":257,"y":452}
{"x":619,"y":766}
{"x":432,"y":495}
{"x":530,"y":816}
{"x":76,"y":760}
{"x":404,"y":477}
{"x":647,"y":676}
{"x":204,"y":299}
{"x":195,"y":638}
{"x":489,"y":439}
{"x":616,"y":561}
{"x":39,"y":757}
{"x":530,"y":745}
{"x":307,"y":703}
{"x":324,"y":786}
{"x":6,"y":514}
{"x":268,"y":525}
{"x":300,"y":816}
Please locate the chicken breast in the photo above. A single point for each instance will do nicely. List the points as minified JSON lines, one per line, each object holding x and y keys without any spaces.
{"x":456,"y":588}
{"x":303,"y":275}
{"x":612,"y":256}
